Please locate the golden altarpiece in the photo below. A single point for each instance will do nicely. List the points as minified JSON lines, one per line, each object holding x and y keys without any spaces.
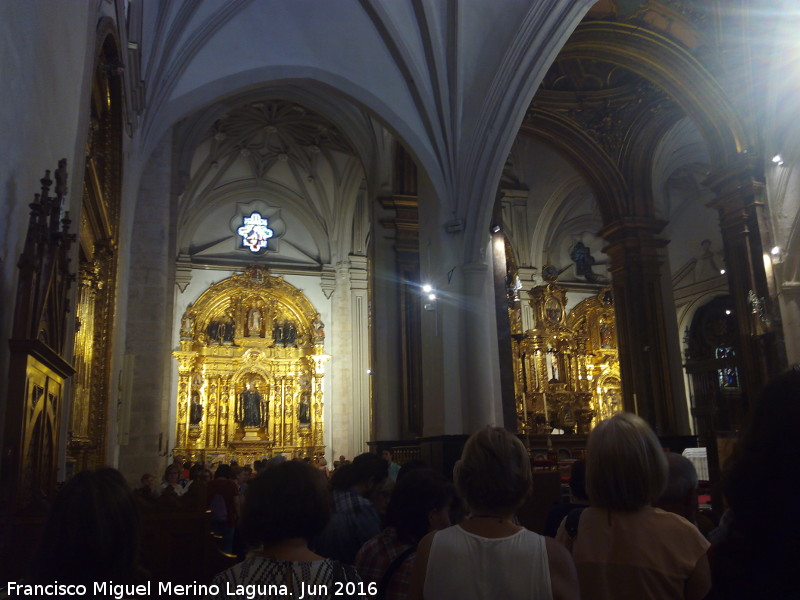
{"x":250,"y":368}
{"x":566,"y":367}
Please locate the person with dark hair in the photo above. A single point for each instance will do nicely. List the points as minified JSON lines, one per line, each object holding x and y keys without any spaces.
{"x":756,"y":552}
{"x":419,"y":504}
{"x":91,"y":534}
{"x":223,"y":502}
{"x":623,"y":547}
{"x":171,"y":486}
{"x":680,"y":494}
{"x":579,"y":499}
{"x":355,"y":518}
{"x":488,"y":556}
{"x":285,"y":507}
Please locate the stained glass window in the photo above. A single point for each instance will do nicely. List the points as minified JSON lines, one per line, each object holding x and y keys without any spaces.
{"x":255,"y":232}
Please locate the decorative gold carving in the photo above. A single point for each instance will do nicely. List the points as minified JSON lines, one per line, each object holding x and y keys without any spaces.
{"x":566,"y":367}
{"x":251,"y":360}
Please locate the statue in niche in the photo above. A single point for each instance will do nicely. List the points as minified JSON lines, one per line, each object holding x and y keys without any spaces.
{"x":319,"y":329}
{"x":212,"y":331}
{"x":254,"y":322}
{"x":227,"y":330}
{"x":196,"y":409}
{"x":605,"y":335}
{"x":250,"y":406}
{"x":304,"y":409}
{"x":277,"y":334}
{"x":290,"y":334}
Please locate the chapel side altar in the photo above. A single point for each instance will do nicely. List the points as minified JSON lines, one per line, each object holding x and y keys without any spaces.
{"x":250,"y":368}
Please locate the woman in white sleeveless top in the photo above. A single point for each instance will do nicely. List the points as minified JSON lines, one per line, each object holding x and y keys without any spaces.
{"x":487,"y":556}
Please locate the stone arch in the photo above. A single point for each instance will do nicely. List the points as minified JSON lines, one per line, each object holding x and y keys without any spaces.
{"x":672,"y":68}
{"x":600,"y":173}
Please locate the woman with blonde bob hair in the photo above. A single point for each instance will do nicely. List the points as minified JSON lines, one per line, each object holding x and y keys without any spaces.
{"x":623,"y":547}
{"x":488,"y":556}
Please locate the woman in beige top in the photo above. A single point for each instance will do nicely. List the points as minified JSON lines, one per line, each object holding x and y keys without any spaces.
{"x":625,"y":548}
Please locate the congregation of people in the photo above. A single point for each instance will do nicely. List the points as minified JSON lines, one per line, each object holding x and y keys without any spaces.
{"x":372,"y":528}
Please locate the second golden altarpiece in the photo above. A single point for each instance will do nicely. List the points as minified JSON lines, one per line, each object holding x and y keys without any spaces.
{"x":251,"y":366}
{"x":566,"y":366}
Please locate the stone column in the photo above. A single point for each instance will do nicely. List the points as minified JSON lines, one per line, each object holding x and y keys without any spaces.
{"x":634,"y":252}
{"x":396,"y":389}
{"x":350,"y":350}
{"x":745,"y":235}
{"x":150,"y":285}
{"x":359,"y":318}
{"x":460,"y":375}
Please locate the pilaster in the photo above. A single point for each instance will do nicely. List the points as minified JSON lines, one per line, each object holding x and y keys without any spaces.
{"x":740,"y":201}
{"x":634,"y":252}
{"x":150,"y":290}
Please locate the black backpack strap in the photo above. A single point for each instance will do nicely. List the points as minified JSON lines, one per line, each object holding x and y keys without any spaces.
{"x":573,"y":518}
{"x":383,"y":585}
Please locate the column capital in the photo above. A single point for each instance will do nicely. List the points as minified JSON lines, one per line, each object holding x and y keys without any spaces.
{"x":736,"y":186}
{"x":633,"y":228}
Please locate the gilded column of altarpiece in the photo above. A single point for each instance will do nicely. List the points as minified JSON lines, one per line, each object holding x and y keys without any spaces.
{"x":250,"y":370}
{"x":566,"y":366}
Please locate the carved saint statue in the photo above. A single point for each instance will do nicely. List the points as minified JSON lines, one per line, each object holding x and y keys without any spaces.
{"x":196,"y":409}
{"x":304,"y":410}
{"x":277,"y":334}
{"x":187,"y":323}
{"x":290,"y":334}
{"x":250,"y":406}
{"x":227,"y":330}
{"x":212,"y":331}
{"x":254,"y":322}
{"x":319,"y":328}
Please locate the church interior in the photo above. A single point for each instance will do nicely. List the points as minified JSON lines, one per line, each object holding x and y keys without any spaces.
{"x":243,"y":228}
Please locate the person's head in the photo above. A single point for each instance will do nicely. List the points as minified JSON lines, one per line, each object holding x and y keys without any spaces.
{"x":289,"y":500}
{"x":387,"y":456}
{"x":275,"y":461}
{"x":680,"y":494}
{"x":147,"y":480}
{"x":494,"y":473}
{"x":577,"y":480}
{"x":420,"y":503}
{"x":91,"y":533}
{"x":172,"y":474}
{"x":224,"y":471}
{"x":367,"y":473}
{"x":625,"y":465}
